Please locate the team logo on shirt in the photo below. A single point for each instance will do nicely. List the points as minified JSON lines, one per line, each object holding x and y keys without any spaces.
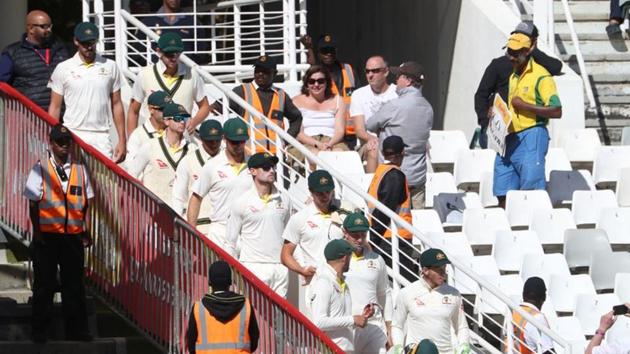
{"x":312,"y":225}
{"x":418,"y":301}
{"x":103,"y":72}
{"x":222,"y":175}
{"x":279,"y":205}
{"x":161,"y":164}
{"x":371,"y":264}
{"x":446,"y":300}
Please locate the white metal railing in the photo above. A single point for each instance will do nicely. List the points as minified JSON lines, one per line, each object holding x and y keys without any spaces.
{"x":543,"y":17}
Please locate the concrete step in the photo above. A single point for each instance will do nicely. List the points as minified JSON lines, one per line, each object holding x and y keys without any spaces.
{"x":98,"y":346}
{"x":13,"y":276}
{"x":615,"y":114}
{"x":587,"y":30}
{"x":617,"y":72}
{"x":605,"y":50}
{"x":583,"y":10}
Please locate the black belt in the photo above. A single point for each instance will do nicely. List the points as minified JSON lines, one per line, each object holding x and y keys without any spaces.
{"x":203,"y":221}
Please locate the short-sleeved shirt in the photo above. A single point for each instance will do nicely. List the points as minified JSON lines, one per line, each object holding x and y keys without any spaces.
{"x":86,"y":91}
{"x":365,"y":102}
{"x":34,"y":184}
{"x":534,"y":86}
{"x":533,"y":336}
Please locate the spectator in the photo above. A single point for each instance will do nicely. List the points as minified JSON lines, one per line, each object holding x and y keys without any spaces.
{"x":156,"y":162}
{"x":256,"y":222}
{"x":330,"y":300}
{"x":618,"y":14}
{"x":343,"y":77}
{"x":496,"y":77}
{"x":269,"y":100}
{"x":189,"y":170}
{"x":310,"y":229}
{"x":59,"y":235}
{"x":527,"y":338}
{"x":322,"y":114}
{"x":222,"y":179}
{"x":409,"y":116}
{"x":366,"y":101}
{"x":222,"y":318}
{"x":89,"y":84}
{"x":369,"y":286}
{"x":617,"y":346}
{"x":532,"y":100}
{"x":184,"y":85}
{"x":389,"y":186}
{"x":28,"y":63}
{"x":431,"y":308}
{"x":153,"y":127}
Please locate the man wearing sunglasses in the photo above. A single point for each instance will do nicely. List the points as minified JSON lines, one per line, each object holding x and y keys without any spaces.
{"x":222,"y":179}
{"x":27,"y":64}
{"x":59,"y":190}
{"x":184,"y":85}
{"x":153,"y":127}
{"x":156,"y":162}
{"x":90,"y":84}
{"x":257,"y":220}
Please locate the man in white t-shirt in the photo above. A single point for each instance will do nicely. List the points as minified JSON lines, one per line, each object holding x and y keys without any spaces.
{"x":366,"y":101}
{"x":256,"y":222}
{"x":222,"y":179}
{"x":89,"y":84}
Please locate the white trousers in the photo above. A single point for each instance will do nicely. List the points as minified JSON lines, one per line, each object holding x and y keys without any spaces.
{"x":101,"y":141}
{"x":372,"y":338}
{"x":275,"y":275}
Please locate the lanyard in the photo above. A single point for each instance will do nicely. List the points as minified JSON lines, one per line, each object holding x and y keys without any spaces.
{"x":45,"y":59}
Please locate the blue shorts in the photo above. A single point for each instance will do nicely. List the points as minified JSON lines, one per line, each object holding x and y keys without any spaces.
{"x":523,"y":166}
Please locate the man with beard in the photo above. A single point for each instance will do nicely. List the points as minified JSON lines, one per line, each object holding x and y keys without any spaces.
{"x":27,"y":65}
{"x":90,"y":84}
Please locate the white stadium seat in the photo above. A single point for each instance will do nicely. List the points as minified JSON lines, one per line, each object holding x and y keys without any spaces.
{"x":579,"y":245}
{"x":563,"y":290}
{"x":623,"y":188}
{"x":570,"y":329}
{"x":470,"y":165}
{"x":445,"y":145}
{"x":454,"y":243}
{"x":622,"y":286}
{"x":519,"y":205}
{"x":543,"y":266}
{"x":608,"y":161}
{"x":580,"y":144}
{"x":511,"y":285}
{"x":438,"y":182}
{"x":616,"y":223}
{"x":349,"y":195}
{"x":587,"y":205}
{"x":604,"y":265}
{"x":427,"y":221}
{"x":550,"y":224}
{"x":485,"y":190}
{"x":590,"y":308}
{"x":480,"y":225}
{"x":482,"y":265}
{"x":511,"y":246}
{"x":562,"y":184}
{"x":556,"y":160}
{"x":346,"y":162}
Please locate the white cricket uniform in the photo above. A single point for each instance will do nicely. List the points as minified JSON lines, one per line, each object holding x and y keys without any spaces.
{"x":139,"y":137}
{"x":256,"y":225}
{"x":431,"y":314}
{"x":533,"y":337}
{"x":368,"y":284}
{"x":155,"y":166}
{"x":86,"y":91}
{"x":332,"y":307}
{"x":222,"y":183}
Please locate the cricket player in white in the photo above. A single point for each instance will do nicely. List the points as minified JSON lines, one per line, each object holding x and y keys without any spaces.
{"x":256,"y":222}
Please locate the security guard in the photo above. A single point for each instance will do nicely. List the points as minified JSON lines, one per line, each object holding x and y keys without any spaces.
{"x":59,"y":191}
{"x":256,"y":222}
{"x":158,"y":159}
{"x":153,"y":127}
{"x":527,"y":338}
{"x":389,"y":186}
{"x":223,"y":321}
{"x":369,"y":286}
{"x":429,"y":308}
{"x":271,"y":101}
{"x":189,"y":169}
{"x":222,"y":180}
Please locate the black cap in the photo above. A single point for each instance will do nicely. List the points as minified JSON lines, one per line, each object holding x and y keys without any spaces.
{"x":320,"y":181}
{"x":86,"y":32}
{"x":220,"y":275}
{"x":326,"y":41}
{"x":534,"y":288}
{"x":433,"y":257}
{"x":266,"y":62}
{"x":527,"y":28}
{"x":59,"y":133}
{"x":393,"y":144}
{"x":211,"y":129}
{"x":261,"y":159}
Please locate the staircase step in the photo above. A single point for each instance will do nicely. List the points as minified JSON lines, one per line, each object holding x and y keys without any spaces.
{"x":587,"y":30}
{"x":596,"y":50}
{"x":605,"y":72}
{"x":13,"y":276}
{"x":98,"y":346}
{"x":583,"y":10}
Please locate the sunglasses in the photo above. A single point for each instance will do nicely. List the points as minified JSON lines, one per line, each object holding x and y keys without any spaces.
{"x":316,"y":81}
{"x":235,"y":142}
{"x":44,"y":26}
{"x":172,"y":54}
{"x":179,"y":119}
{"x":268,"y":168}
{"x":87,"y":44}
{"x":374,"y":71}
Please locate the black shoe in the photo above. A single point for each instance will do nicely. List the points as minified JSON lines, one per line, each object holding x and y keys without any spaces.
{"x":613,"y":29}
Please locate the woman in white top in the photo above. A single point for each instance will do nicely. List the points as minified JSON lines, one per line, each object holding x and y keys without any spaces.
{"x":323,"y":124}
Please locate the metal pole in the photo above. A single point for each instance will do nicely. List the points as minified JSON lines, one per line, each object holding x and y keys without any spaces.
{"x":290,"y":39}
{"x":237,"y":39}
{"x":177,"y":330}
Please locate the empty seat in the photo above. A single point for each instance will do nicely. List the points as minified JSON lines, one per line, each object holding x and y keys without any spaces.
{"x":427,"y":221}
{"x":550,"y":224}
{"x":556,"y":160}
{"x":444,"y":145}
{"x":590,"y":308}
{"x":622,"y":286}
{"x":580,"y":144}
{"x":511,"y":246}
{"x":604,"y":265}
{"x":454,"y":243}
{"x":519,"y":205}
{"x":608,"y":161}
{"x":482,"y":265}
{"x":579,"y":245}
{"x":563,"y":290}
{"x":562,"y":184}
{"x":623,"y":188}
{"x":347,"y":194}
{"x":587,"y":205}
{"x":510,"y":285}
{"x":485,"y":190}
{"x":439,"y":182}
{"x":480,"y":225}
{"x":616,"y":223}
{"x":570,"y":329}
{"x":346,"y":162}
{"x":470,"y":165}
{"x":544,"y":266}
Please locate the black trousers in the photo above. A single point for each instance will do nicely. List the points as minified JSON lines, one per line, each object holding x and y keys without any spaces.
{"x":408,"y":254}
{"x":67,"y":252}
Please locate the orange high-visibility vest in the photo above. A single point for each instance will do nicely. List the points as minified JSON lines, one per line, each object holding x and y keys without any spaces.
{"x":61,"y":212}
{"x":403,"y":210}
{"x":265,"y":137}
{"x":348,"y":87}
{"x":216,"y":337}
{"x":518,"y":326}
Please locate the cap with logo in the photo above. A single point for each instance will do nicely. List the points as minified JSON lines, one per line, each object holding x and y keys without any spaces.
{"x":171,"y":42}
{"x":336,"y":249}
{"x":175,"y":111}
{"x":326,"y":41}
{"x":356,"y":222}
{"x":426,"y":346}
{"x":211,"y":129}
{"x":86,"y":32}
{"x":393,"y":144}
{"x":59,"y":132}
{"x":159,"y":99}
{"x":410,"y":69}
{"x":266,"y":62}
{"x":518,"y":41}
{"x":261,"y":159}
{"x":527,"y":28}
{"x":234,"y":129}
{"x":433,"y":257}
{"x":320,"y":181}
{"x":220,"y":275}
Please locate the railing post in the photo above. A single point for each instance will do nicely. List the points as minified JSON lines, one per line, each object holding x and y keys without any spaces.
{"x":120,"y":35}
{"x":289,"y":38}
{"x":543,"y":15}
{"x":261,"y":23}
{"x":177,"y":329}
{"x":237,"y":40}
{"x":85,"y":5}
{"x":100,"y":23}
{"x":302,"y":29}
{"x":395,"y":254}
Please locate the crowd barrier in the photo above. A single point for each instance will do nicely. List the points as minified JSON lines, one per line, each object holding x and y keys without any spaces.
{"x":146,"y":261}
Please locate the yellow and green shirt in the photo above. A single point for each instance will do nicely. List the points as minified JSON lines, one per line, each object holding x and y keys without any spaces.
{"x":534,"y":86}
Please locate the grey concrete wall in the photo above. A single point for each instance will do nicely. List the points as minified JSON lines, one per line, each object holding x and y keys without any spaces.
{"x":12,"y":25}
{"x":401,"y":30}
